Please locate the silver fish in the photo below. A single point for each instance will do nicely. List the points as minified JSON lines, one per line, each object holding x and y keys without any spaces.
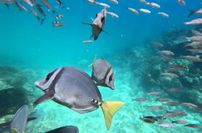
{"x":76,"y":90}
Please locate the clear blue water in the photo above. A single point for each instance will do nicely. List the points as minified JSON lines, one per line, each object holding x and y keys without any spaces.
{"x":36,"y":49}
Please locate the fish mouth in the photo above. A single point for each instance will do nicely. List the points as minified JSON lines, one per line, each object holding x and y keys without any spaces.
{"x":85,"y":110}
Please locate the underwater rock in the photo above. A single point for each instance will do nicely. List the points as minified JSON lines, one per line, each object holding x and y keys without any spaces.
{"x":11,"y":77}
{"x":11,"y":99}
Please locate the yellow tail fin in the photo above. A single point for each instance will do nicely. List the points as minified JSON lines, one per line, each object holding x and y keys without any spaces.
{"x":109,"y":108}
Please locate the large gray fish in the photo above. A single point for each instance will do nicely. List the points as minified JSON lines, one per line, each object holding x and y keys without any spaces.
{"x":103,"y":73}
{"x":98,"y":24}
{"x":65,"y":129}
{"x":19,"y":121}
{"x":75,"y":89}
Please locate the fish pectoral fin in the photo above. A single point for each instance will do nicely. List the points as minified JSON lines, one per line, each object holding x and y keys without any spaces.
{"x":105,"y":32}
{"x":87,"y":23}
{"x":43,"y":98}
{"x":109,"y":108}
{"x":6,"y":124}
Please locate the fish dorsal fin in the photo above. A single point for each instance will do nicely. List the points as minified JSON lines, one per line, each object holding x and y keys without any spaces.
{"x":109,"y":108}
{"x":94,"y":59}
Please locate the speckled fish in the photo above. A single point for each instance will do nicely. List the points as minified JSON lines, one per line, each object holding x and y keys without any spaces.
{"x":65,"y":129}
{"x":133,"y":10}
{"x":76,"y":90}
{"x":102,"y":73}
{"x":19,"y":121}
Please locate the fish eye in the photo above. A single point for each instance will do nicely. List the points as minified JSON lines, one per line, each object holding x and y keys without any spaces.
{"x":94,"y":101}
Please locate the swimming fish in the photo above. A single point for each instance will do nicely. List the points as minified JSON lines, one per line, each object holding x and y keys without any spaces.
{"x":65,"y":129}
{"x":102,"y":73}
{"x":157,"y":44}
{"x":151,"y":119}
{"x":199,"y":11}
{"x":154,"y":93}
{"x":87,"y":41}
{"x":181,"y":2}
{"x":133,"y":10}
{"x":112,"y":14}
{"x":167,"y":125}
{"x":169,"y":114}
{"x":193,"y":125}
{"x":76,"y":90}
{"x":146,"y":11}
{"x":154,"y":5}
{"x":102,"y":4}
{"x":140,"y":99}
{"x":196,"y":21}
{"x":19,"y":121}
{"x":98,"y":24}
{"x":144,"y":2}
{"x":163,"y":14}
{"x":155,"y":107}
{"x":190,"y":105}
{"x":163,"y":99}
{"x":167,"y":52}
{"x":171,"y":75}
{"x":57,"y":24}
{"x":114,"y":1}
{"x":46,"y":3}
{"x":172,"y":103}
{"x":180,"y":122}
{"x":192,"y":58}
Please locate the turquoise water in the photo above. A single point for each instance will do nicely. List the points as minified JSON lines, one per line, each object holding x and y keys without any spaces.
{"x":29,"y":51}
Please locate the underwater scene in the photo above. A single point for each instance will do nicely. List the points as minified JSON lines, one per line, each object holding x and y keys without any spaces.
{"x":100,"y":66}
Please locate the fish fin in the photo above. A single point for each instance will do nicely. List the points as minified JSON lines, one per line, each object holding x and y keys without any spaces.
{"x":44,"y":97}
{"x":7,"y":5}
{"x":105,"y":32}
{"x":191,"y":12}
{"x":109,"y":108}
{"x":93,"y":61}
{"x":86,"y":23}
{"x":6,"y":124}
{"x":14,"y":130}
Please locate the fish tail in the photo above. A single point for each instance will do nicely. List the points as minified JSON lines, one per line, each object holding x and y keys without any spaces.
{"x":109,"y":108}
